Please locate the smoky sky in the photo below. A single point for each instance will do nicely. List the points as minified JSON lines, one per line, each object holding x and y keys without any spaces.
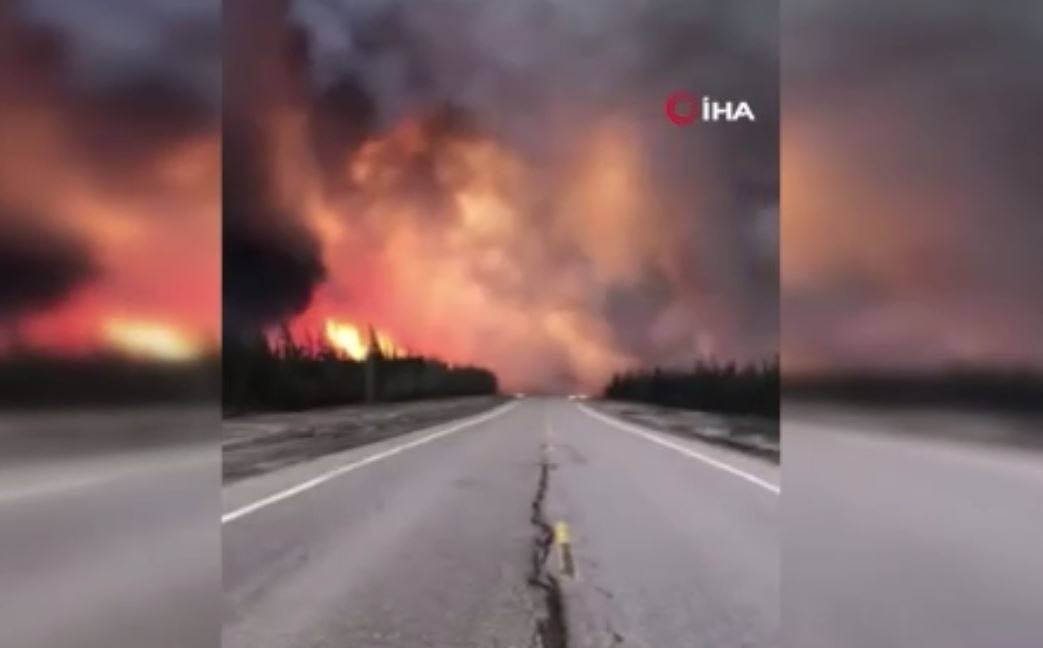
{"x":41,"y":267}
{"x":129,"y":77}
{"x":271,"y":261}
{"x":912,"y":149}
{"x":99,"y":101}
{"x":309,"y":83}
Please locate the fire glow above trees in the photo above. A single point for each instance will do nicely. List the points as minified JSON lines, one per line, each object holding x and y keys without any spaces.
{"x":495,"y":183}
{"x":357,"y":343}
{"x":109,"y":178}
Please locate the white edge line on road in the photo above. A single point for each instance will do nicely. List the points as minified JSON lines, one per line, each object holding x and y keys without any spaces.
{"x":655,"y":438}
{"x":380,"y":456}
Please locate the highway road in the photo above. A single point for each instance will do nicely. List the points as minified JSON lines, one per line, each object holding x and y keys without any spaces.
{"x":539,"y":523}
{"x":912,"y":530}
{"x":905,"y":530}
{"x":107,"y":528}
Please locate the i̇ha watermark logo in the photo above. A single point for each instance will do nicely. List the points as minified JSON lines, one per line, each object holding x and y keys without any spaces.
{"x":684,"y":109}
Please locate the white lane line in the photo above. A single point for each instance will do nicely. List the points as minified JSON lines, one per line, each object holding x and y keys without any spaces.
{"x":380,"y":456}
{"x":655,"y":438}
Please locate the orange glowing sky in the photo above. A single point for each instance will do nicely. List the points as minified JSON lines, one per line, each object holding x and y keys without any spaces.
{"x":465,"y":283}
{"x":518,"y":206}
{"x":128,"y":170}
{"x":158,"y":257}
{"x":484,"y":269}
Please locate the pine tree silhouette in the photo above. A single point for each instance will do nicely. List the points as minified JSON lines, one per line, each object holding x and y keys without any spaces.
{"x":373,"y":349}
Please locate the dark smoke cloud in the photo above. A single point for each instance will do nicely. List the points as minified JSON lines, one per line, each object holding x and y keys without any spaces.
{"x":544,"y":79}
{"x":116,"y":80}
{"x":535,"y":72}
{"x":343,"y":117}
{"x":106,"y":110}
{"x":130,"y":77}
{"x":271,"y":260}
{"x":109,"y":41}
{"x":912,"y":235}
{"x":271,"y":263}
{"x":41,"y":267}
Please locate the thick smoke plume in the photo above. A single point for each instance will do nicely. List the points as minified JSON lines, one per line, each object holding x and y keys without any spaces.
{"x":41,"y":267}
{"x":272,"y":261}
{"x":911,"y":157}
{"x":108,"y":171}
{"x":496,"y":182}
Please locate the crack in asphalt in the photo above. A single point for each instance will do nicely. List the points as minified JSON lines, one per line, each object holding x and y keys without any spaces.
{"x":550,"y":631}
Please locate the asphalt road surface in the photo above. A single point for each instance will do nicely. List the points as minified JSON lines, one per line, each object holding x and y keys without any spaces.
{"x":540,"y":523}
{"x":900,"y":531}
{"x":912,"y":530}
{"x":107,"y":532}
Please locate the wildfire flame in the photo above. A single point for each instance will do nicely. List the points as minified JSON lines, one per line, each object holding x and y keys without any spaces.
{"x":443,"y":222}
{"x":155,"y":340}
{"x":354,"y":342}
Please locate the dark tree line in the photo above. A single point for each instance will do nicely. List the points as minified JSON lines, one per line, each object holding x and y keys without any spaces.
{"x":707,"y":385}
{"x":34,"y":379}
{"x":287,"y":376}
{"x":1012,"y":389}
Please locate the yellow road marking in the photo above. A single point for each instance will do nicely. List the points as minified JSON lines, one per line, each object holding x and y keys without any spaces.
{"x":561,"y":533}
{"x":562,"y":540}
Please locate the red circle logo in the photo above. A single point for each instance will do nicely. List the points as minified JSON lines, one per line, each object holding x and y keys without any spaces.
{"x":682,"y":108}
